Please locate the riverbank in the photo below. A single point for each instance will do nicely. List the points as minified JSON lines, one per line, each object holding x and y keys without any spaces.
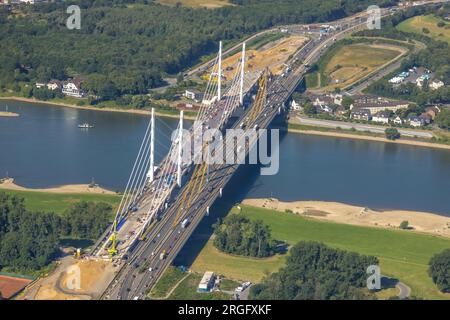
{"x":9,"y":184}
{"x":370,"y":138}
{"x":8,"y":114}
{"x":73,"y":106}
{"x":354,"y":215}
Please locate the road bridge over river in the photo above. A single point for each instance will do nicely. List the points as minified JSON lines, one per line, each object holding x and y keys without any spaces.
{"x":162,"y":207}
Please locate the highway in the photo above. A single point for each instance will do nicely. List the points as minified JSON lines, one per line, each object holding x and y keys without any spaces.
{"x":144,"y":265}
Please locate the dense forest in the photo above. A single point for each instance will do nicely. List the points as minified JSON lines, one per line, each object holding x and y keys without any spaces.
{"x":126,"y":47}
{"x":30,"y":240}
{"x":436,"y":57}
{"x":238,"y":235}
{"x":314,"y":271}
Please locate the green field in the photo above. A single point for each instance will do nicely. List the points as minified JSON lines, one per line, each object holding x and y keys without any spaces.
{"x":170,"y":278}
{"x":353,"y":62}
{"x":417,"y":25}
{"x":403,"y":254}
{"x":187,"y":290}
{"x":59,"y":202}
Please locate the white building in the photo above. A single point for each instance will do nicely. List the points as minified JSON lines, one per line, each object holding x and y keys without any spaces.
{"x":295,"y":106}
{"x":193,"y":94}
{"x":73,"y":88}
{"x":396,"y":80}
{"x":381,"y":117}
{"x":415,"y":121}
{"x":398,"y":120}
{"x":436,"y":84}
{"x":53,"y":85}
{"x":207,"y":282}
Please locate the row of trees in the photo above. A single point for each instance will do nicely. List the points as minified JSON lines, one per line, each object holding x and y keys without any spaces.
{"x":238,"y":235}
{"x":315,"y":271}
{"x":30,"y":240}
{"x":122,"y":49}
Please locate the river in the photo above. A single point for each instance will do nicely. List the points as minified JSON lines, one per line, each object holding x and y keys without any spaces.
{"x":43,"y":147}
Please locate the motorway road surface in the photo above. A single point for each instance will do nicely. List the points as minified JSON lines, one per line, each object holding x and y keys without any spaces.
{"x":361,"y":127}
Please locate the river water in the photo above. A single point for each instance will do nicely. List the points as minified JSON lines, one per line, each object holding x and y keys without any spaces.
{"x":44,"y":147}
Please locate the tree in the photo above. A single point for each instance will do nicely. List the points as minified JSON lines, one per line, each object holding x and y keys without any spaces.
{"x":392,"y":133}
{"x":404,"y":225}
{"x":309,"y":109}
{"x":347,"y":102}
{"x":439,"y":270}
{"x":87,"y":220}
{"x":117,"y":42}
{"x":30,"y":240}
{"x":238,"y":235}
{"x":315,"y":271}
{"x":443,"y":119}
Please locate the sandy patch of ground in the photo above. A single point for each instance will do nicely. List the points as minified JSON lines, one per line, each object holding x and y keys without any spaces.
{"x":103,"y":109}
{"x":8,"y":114}
{"x":354,"y":215}
{"x":372,"y":138}
{"x":272,"y":57}
{"x":62,"y":284}
{"x":8,"y":183}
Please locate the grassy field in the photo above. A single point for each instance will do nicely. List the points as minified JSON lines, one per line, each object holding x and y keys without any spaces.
{"x":417,"y":25}
{"x":403,"y":254}
{"x":187,"y":290}
{"x":59,"y":202}
{"x":353,"y":62}
{"x":170,"y":278}
{"x":197,"y":3}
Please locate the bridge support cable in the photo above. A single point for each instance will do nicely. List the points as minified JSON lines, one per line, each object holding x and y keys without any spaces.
{"x":232,"y":95}
{"x":196,"y":183}
{"x":151,"y":172}
{"x":180,"y":149}
{"x":139,"y":177}
{"x":260,"y":99}
{"x":163,"y":185}
{"x":241,"y":92}
{"x":121,"y":206}
{"x":219,"y":76}
{"x":161,"y":189}
{"x":209,"y":94}
{"x":131,"y":179}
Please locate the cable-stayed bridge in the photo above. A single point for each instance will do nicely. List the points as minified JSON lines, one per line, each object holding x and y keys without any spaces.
{"x":162,"y":205}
